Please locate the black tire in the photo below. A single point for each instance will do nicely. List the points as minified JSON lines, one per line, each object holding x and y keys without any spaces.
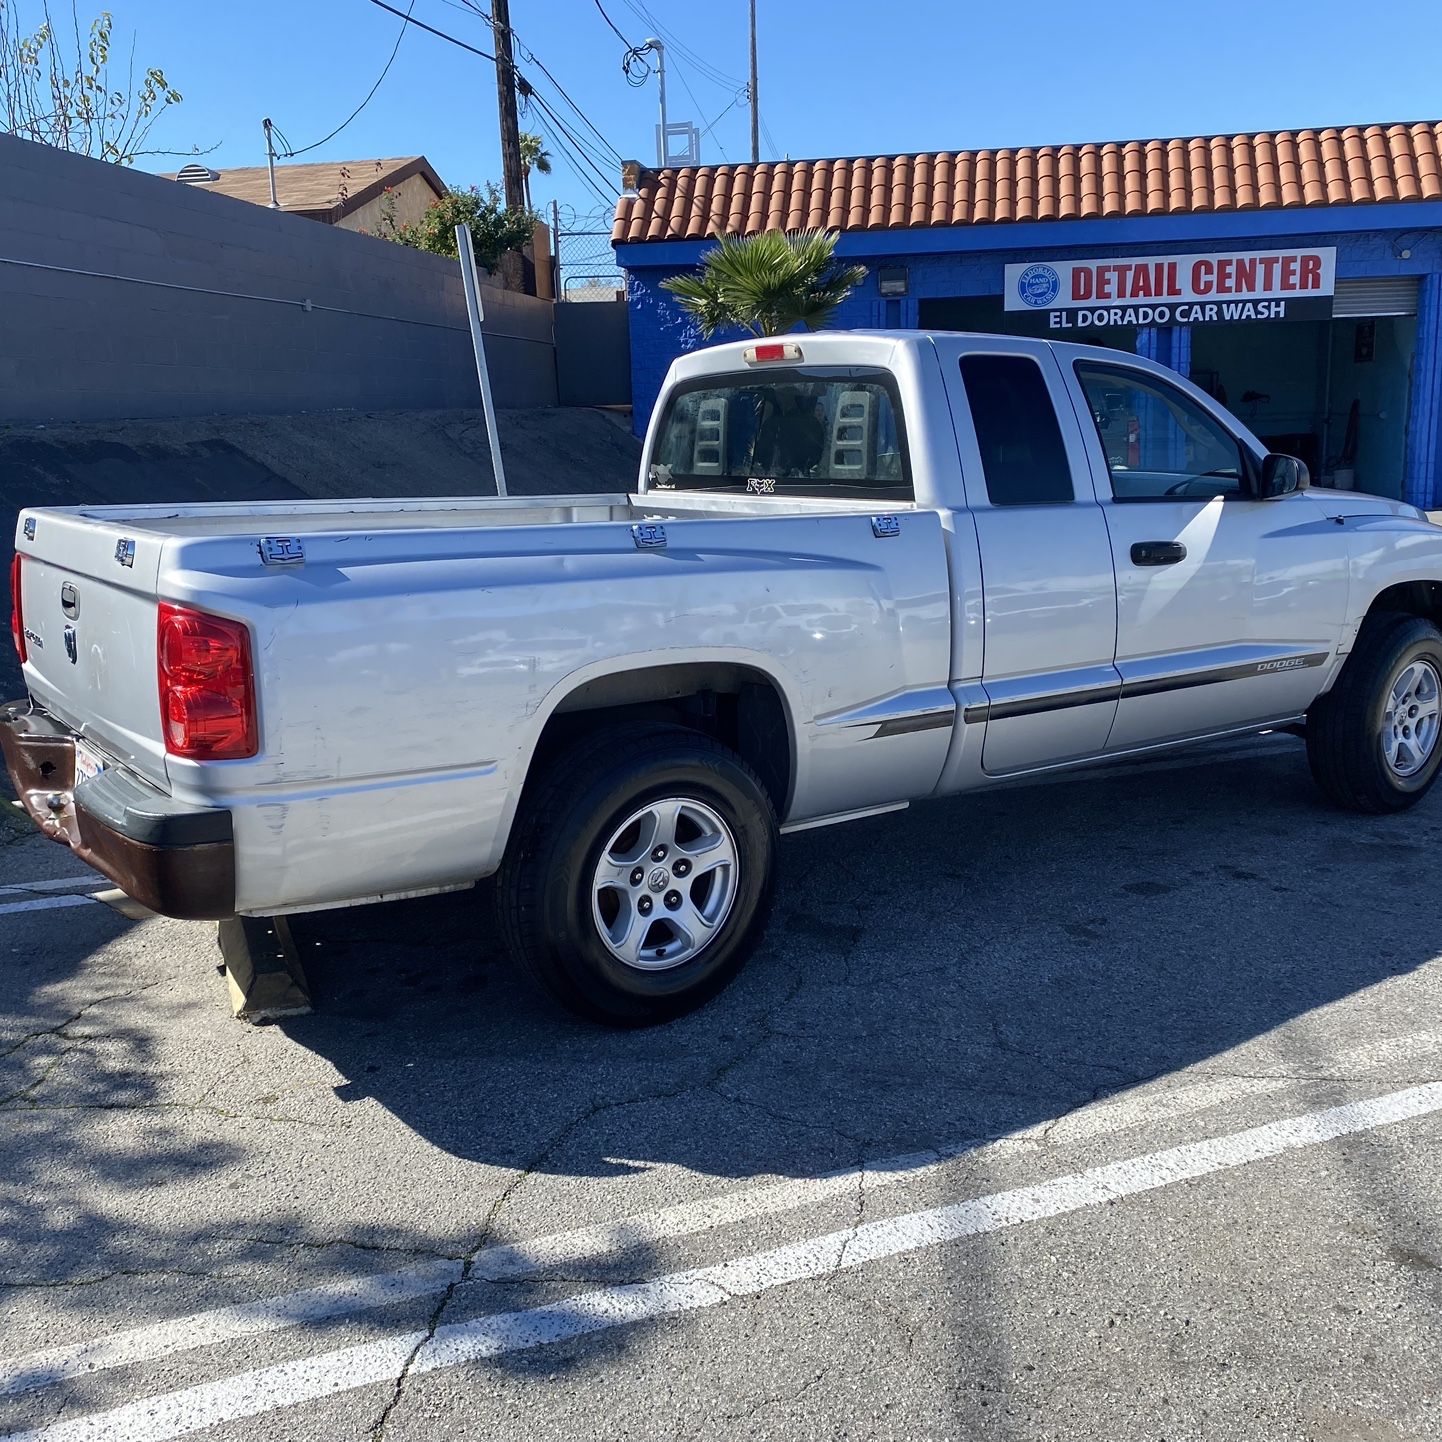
{"x":1344,"y":727}
{"x":544,"y":887}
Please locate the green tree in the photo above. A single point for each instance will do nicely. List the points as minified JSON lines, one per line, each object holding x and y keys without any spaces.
{"x":534,"y":156}
{"x":767,"y":284}
{"x":56,"y":87}
{"x":495,"y":229}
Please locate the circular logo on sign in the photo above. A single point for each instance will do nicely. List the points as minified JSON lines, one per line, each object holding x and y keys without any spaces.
{"x":1038,"y":285}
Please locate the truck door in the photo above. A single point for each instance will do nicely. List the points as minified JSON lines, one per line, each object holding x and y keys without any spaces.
{"x":1049,"y":594}
{"x":1226,"y":606}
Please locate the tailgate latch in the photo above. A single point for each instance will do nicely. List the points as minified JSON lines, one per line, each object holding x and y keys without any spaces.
{"x":282,"y":551}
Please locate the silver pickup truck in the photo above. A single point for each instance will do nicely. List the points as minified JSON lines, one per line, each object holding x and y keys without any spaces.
{"x":858,"y":570}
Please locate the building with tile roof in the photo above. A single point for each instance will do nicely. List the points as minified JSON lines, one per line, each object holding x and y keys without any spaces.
{"x":1111,"y":238}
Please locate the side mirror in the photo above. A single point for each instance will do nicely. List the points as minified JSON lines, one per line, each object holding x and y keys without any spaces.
{"x":1281,"y":475}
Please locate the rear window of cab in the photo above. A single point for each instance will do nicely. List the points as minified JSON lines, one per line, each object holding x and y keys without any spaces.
{"x":814,"y":430}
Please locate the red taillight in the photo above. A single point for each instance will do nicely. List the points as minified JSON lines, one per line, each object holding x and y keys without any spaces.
{"x":207,"y":686}
{"x":17,"y":612}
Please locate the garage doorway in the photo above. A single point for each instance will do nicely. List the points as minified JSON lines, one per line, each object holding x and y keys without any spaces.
{"x":1336,"y":392}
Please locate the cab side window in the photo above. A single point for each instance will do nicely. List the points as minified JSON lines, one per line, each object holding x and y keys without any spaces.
{"x":1023,"y":456}
{"x":1158,"y":442}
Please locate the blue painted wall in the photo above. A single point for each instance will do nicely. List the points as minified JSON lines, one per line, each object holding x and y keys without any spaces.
{"x":958,"y":262}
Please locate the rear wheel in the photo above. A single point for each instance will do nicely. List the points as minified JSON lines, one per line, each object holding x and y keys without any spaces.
{"x":1372,"y":740}
{"x":639,"y":876}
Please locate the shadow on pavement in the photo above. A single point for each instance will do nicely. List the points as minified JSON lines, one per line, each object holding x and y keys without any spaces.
{"x":967,"y":968}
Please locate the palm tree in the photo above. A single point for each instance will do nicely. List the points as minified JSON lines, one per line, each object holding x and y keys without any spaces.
{"x":767,"y":284}
{"x":534,"y":156}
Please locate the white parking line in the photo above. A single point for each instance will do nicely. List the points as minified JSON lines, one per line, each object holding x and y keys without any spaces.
{"x":356,"y":1296}
{"x":270,"y":1389}
{"x":65,"y":883}
{"x":46,"y":903}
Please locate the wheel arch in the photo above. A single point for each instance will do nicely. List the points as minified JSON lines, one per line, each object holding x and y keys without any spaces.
{"x":735,"y":698}
{"x":1420,"y":596}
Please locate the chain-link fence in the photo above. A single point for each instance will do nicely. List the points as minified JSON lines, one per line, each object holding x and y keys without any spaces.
{"x":586,"y":266}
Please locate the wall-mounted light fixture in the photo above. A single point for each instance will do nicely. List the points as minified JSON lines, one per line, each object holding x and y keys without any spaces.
{"x":892,"y":279}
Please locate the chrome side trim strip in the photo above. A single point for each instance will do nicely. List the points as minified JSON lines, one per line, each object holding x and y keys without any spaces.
{"x":1146,"y":686}
{"x":918,"y":710}
{"x":1059,"y":701}
{"x":1244,"y":671}
{"x":838,"y":817}
{"x":905,"y":725}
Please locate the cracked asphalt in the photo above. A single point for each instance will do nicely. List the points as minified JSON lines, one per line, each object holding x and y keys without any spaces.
{"x":981,"y":998}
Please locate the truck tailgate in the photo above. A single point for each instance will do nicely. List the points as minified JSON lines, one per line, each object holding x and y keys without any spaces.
{"x":88,"y":608}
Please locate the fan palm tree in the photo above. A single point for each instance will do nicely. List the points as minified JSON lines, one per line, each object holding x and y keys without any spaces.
{"x":767,"y":284}
{"x":534,"y":156}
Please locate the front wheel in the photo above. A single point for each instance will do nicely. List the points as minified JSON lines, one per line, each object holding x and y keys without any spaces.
{"x":1372,"y":740}
{"x":639,"y":877}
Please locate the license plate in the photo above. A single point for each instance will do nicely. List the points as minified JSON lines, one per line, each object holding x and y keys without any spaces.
{"x":88,"y":764}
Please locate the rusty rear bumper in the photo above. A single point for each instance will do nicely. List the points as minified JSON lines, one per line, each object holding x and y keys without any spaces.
{"x":175,"y":859}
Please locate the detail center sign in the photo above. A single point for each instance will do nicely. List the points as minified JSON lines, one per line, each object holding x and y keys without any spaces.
{"x":1216,"y":288}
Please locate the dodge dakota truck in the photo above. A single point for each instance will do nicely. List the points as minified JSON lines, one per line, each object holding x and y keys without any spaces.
{"x":859,"y":569}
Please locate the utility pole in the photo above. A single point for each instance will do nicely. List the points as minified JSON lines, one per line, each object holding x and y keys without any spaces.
{"x":512,"y":175}
{"x":556,"y":292}
{"x":755,"y":112}
{"x":270,"y":161}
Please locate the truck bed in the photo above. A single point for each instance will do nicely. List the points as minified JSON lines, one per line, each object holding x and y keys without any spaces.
{"x":407,"y":654}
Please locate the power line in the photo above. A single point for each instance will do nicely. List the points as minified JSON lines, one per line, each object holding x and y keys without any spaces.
{"x":681,"y":75}
{"x":735,"y":101}
{"x":290,"y":154}
{"x":530,"y":57}
{"x":634,"y":65}
{"x":770,"y":139}
{"x":612,"y":155}
{"x":574,"y":160}
{"x":469,"y":7}
{"x":570,"y":136}
{"x":574,"y":152}
{"x":604,"y":201}
{"x":598,"y":165}
{"x":612,"y":24}
{"x":712,"y":73}
{"x":405,"y":15}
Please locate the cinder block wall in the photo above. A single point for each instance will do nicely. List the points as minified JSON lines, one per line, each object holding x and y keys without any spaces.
{"x":124,"y":294}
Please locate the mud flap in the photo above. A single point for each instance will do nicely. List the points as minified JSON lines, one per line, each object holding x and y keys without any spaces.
{"x":262,"y":968}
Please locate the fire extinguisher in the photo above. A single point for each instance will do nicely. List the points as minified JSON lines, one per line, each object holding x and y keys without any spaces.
{"x":1134,"y":443}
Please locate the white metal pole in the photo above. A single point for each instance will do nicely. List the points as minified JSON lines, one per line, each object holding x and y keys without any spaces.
{"x":652,"y":43}
{"x":478,"y":343}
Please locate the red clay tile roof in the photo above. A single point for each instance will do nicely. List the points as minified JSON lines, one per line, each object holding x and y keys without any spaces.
{"x":1351,"y":165}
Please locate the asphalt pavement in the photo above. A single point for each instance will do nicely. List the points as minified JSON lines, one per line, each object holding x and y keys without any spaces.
{"x":1105,"y":1108}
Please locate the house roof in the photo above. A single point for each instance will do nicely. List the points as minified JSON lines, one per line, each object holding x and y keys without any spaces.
{"x":1351,"y":165}
{"x":314,"y":189}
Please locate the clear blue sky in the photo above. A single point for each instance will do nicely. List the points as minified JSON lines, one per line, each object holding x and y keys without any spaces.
{"x":837,"y":77}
